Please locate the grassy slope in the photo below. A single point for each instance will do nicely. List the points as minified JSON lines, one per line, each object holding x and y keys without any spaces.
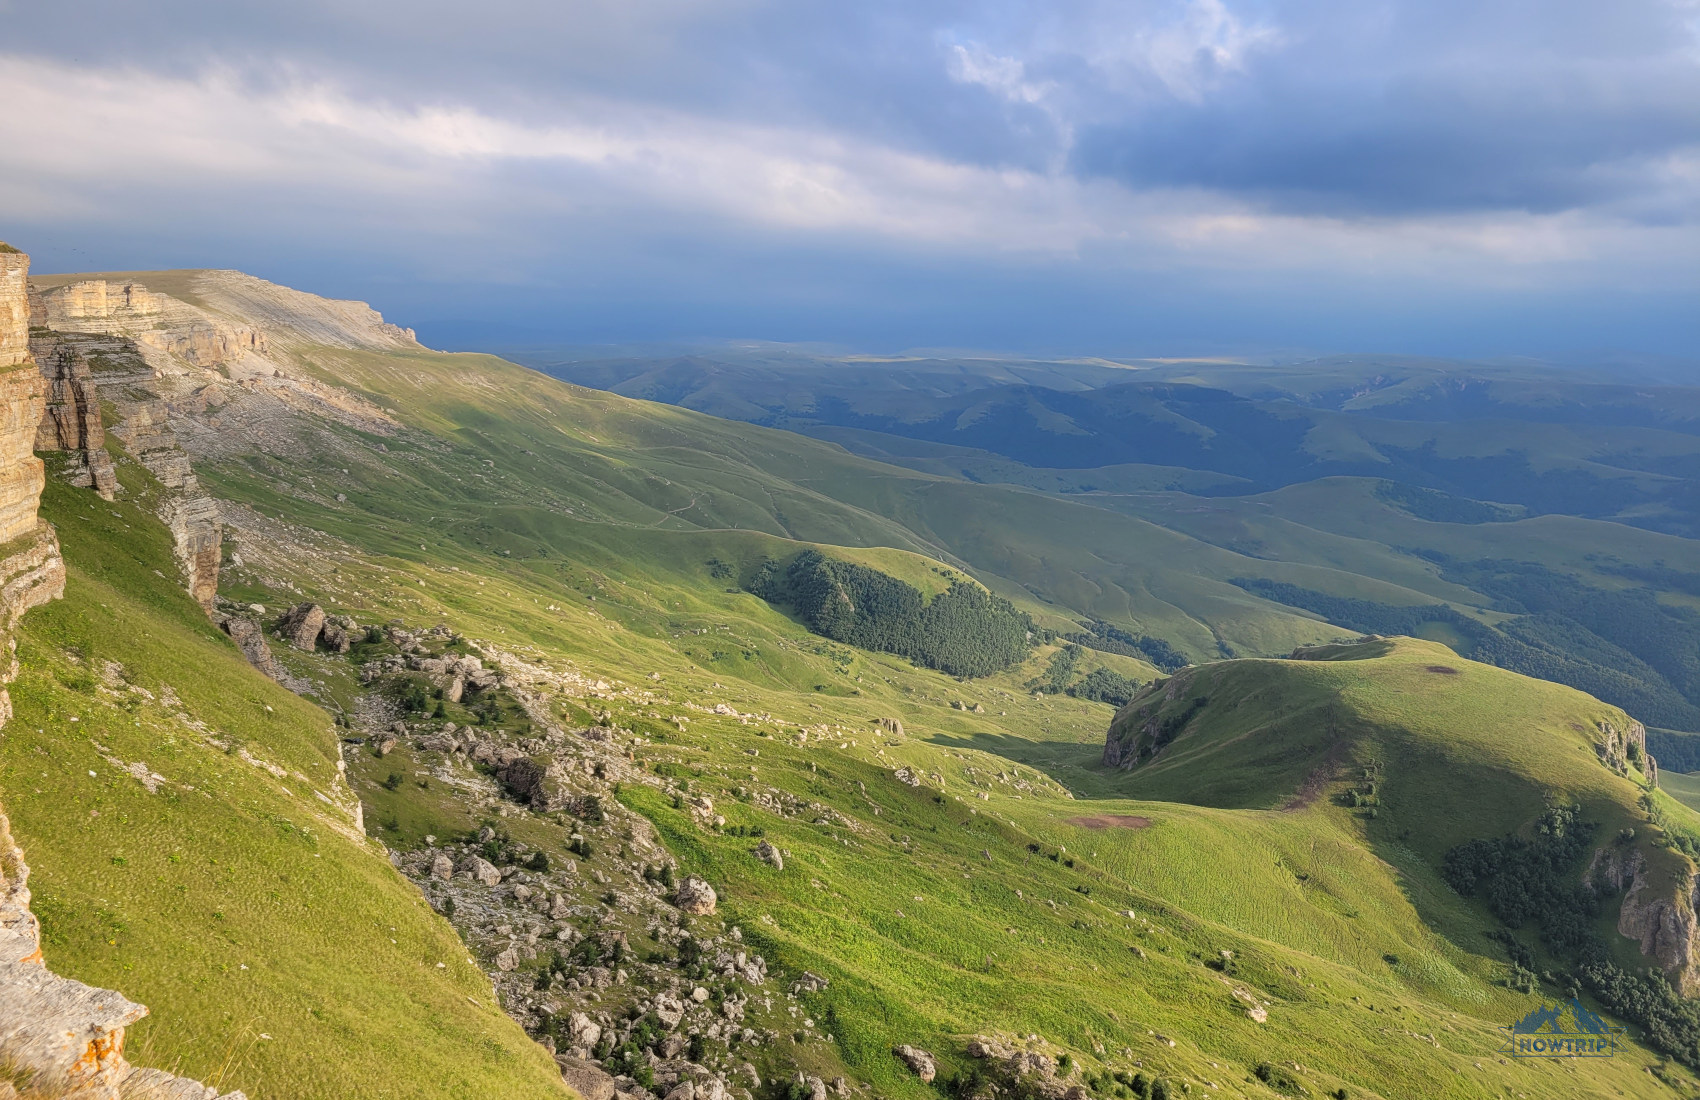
{"x":558,"y":447}
{"x":926,"y":938}
{"x":924,"y":976}
{"x":279,"y":952}
{"x":1471,"y":752}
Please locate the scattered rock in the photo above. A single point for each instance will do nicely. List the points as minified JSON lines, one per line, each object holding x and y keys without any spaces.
{"x":583,"y":1031}
{"x":585,"y":1078}
{"x":919,"y":1062}
{"x":301,"y":625}
{"x":251,"y":640}
{"x":669,"y":1010}
{"x":695,"y":896}
{"x":439,"y":742}
{"x":481,"y":870}
{"x":906,"y":775}
{"x":337,"y":637}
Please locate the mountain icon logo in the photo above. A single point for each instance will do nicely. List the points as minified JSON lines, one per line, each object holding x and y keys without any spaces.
{"x":1543,"y":1034}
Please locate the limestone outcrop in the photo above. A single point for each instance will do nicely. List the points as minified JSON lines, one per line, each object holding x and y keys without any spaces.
{"x":71,"y":422}
{"x":170,"y":332}
{"x":22,"y":395}
{"x":58,"y":1037}
{"x":1663,"y":922}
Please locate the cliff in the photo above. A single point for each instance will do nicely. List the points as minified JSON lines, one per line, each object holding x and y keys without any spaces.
{"x":72,"y":420}
{"x":21,"y":398}
{"x":58,"y":1037}
{"x":99,"y":343}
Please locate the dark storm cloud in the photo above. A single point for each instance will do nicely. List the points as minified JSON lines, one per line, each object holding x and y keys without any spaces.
{"x":880,"y":166}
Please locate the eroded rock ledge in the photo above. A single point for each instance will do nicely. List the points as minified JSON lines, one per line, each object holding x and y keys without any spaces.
{"x":58,"y":1037}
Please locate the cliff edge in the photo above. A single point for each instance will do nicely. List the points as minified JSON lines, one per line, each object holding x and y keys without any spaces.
{"x":58,"y":1037}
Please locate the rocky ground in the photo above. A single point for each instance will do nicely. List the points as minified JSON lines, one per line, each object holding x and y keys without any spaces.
{"x":599,"y":948}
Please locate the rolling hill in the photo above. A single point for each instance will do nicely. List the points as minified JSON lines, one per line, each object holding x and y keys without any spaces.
{"x":560,"y":706}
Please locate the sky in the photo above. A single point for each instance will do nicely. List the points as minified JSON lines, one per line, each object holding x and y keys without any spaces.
{"x":1136,"y":177}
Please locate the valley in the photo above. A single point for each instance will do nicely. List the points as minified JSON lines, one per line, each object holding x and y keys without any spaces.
{"x":476,"y":757}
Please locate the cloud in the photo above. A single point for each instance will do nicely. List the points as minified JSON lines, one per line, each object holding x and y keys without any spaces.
{"x":1428,"y":145}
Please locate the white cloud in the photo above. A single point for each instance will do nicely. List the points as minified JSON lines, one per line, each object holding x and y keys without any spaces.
{"x":1007,"y":76}
{"x":97,"y":144}
{"x":1188,"y":48}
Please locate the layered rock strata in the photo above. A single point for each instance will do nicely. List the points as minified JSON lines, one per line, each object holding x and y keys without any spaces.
{"x":71,"y":422}
{"x":58,"y":1037}
{"x":21,"y":400}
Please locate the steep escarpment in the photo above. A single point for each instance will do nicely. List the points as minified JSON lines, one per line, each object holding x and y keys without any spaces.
{"x":118,"y":346}
{"x":31,"y":570}
{"x":72,"y":423}
{"x":58,"y":1036}
{"x":206,"y":369}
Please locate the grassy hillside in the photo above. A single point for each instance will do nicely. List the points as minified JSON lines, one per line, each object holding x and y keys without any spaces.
{"x":230,"y":890}
{"x":1224,"y":918}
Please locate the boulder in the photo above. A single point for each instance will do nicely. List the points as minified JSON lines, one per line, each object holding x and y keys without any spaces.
{"x":442,"y":867}
{"x":920,"y":1062}
{"x":585,"y":1078}
{"x":559,"y":907}
{"x":251,"y":640}
{"x":767,"y":853}
{"x":695,"y":896}
{"x":684,"y":1090}
{"x":906,"y":775}
{"x":528,"y":780}
{"x":439,"y":742}
{"x":669,"y":1010}
{"x":481,"y":870}
{"x":301,"y":625}
{"x":583,"y":1031}
{"x":336,"y":637}
{"x":507,"y":960}
{"x":494,"y":753}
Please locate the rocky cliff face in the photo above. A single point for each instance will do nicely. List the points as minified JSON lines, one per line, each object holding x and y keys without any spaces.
{"x":98,"y":341}
{"x":21,"y":398}
{"x":1663,"y":922}
{"x":71,"y":423}
{"x":171,"y":334}
{"x":31,"y":570}
{"x":205,"y":370}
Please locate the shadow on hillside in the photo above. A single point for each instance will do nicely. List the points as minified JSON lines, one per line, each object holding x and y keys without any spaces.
{"x":1074,"y":764}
